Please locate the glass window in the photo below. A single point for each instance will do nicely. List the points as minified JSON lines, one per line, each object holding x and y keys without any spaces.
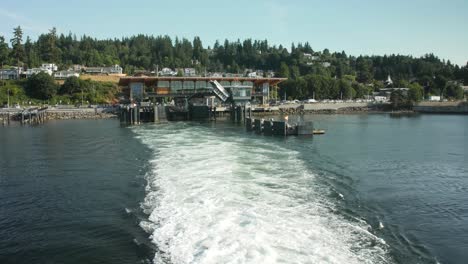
{"x":163,"y":84}
{"x":189,"y":85}
{"x":176,"y":85}
{"x":202,"y":85}
{"x":247,"y":83}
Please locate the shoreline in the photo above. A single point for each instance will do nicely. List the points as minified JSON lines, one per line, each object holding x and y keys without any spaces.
{"x":65,"y":114}
{"x":10,"y":115}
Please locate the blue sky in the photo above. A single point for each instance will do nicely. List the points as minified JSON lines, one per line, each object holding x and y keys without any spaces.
{"x":410,"y":27}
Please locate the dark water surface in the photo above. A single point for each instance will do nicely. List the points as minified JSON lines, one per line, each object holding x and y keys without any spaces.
{"x":64,"y":190}
{"x":374,"y":189}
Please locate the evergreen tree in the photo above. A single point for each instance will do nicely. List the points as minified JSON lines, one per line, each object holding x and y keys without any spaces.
{"x":3,"y":51}
{"x":16,"y":43}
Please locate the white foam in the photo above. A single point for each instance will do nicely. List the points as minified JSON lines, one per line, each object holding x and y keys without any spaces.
{"x":214,"y":199}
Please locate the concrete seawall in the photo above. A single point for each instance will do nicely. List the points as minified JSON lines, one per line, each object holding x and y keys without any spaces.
{"x":442,"y":107}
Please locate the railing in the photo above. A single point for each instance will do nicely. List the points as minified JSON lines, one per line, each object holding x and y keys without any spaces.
{"x":219,"y":90}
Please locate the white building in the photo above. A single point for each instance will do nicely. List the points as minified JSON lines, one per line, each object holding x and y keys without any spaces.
{"x":65,"y":74}
{"x":167,"y":72}
{"x":190,"y":72}
{"x":115,"y":69}
{"x":33,"y":71}
{"x":252,"y":75}
{"x":434,"y":98}
{"x":48,"y":68}
{"x":10,"y":74}
{"x":380,"y":98}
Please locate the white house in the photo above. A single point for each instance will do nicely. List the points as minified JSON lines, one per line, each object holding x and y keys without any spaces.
{"x":434,"y":98}
{"x":10,"y":74}
{"x":33,"y":71}
{"x":49,"y":67}
{"x":65,"y":74}
{"x":252,"y":74}
{"x":115,"y":69}
{"x":167,"y":72}
{"x":190,"y":72}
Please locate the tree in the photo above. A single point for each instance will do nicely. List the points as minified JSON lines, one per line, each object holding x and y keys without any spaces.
{"x":32,"y":60}
{"x":3,"y":51}
{"x":453,"y":91}
{"x":41,"y":86}
{"x":284,"y":70}
{"x":346,"y":90}
{"x":71,"y":85}
{"x":16,"y":43}
{"x":415,"y":93}
{"x":364,"y":70}
{"x":398,"y":100}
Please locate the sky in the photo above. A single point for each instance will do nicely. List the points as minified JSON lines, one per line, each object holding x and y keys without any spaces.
{"x":359,"y":27}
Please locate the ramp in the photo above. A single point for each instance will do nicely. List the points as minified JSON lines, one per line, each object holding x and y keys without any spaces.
{"x":219,"y":90}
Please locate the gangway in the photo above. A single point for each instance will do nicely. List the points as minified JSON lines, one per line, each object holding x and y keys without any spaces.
{"x":219,"y":90}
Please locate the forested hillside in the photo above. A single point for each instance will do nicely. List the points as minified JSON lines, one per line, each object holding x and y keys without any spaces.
{"x":324,"y":73}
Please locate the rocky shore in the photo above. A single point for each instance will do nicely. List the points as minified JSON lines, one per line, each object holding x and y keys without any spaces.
{"x":62,"y":114}
{"x":79,"y":115}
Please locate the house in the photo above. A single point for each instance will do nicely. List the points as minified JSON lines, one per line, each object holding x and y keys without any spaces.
{"x":33,"y":71}
{"x":326,"y":64}
{"x":190,"y":72}
{"x":61,"y":75}
{"x":10,"y":74}
{"x":48,"y":68}
{"x":115,"y":69}
{"x":308,"y":56}
{"x":167,"y":72}
{"x":434,"y":98}
{"x":77,"y":68}
{"x":252,"y":74}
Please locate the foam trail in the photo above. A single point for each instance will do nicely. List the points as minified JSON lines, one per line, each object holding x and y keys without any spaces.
{"x":231,"y":199}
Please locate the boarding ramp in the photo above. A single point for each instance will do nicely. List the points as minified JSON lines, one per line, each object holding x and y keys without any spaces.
{"x":219,"y":90}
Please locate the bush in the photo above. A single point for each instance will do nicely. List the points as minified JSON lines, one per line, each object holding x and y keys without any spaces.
{"x":41,"y":86}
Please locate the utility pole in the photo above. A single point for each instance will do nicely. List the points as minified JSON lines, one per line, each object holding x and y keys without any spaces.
{"x":81,"y":96}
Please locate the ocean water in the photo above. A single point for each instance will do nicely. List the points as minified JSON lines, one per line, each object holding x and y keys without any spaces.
{"x":374,"y":189}
{"x":70,"y":192}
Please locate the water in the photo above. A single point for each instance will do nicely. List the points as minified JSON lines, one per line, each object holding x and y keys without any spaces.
{"x":65,"y":189}
{"x":374,"y":189}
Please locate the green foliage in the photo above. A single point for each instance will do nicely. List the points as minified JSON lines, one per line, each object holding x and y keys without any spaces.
{"x":150,"y":52}
{"x":16,"y":43}
{"x":415,"y":93}
{"x":41,"y":86}
{"x":284,"y":70}
{"x":453,"y":91}
{"x":3,"y":51}
{"x":14,"y":89}
{"x":75,"y":90}
{"x":398,"y":100}
{"x":71,"y":86}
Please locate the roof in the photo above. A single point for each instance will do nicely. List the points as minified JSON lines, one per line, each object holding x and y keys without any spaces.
{"x":152,"y":80}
